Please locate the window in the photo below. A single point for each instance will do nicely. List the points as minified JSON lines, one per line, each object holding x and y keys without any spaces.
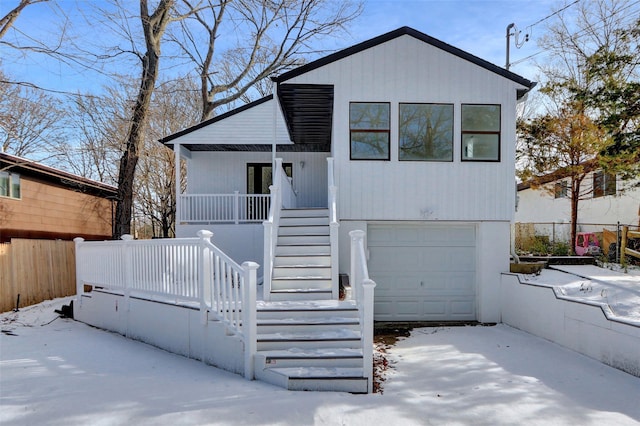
{"x":9,"y":185}
{"x":481,"y":132}
{"x":561,"y":189}
{"x":369,"y":130}
{"x":603,"y":184}
{"x":426,"y":132}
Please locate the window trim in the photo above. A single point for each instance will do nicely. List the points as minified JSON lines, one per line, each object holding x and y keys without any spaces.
{"x":10,"y":176}
{"x":387,"y":131}
{"x":481,"y":132}
{"x":453,"y":120}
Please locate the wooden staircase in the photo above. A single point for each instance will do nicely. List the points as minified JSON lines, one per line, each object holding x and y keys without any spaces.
{"x":306,"y":338}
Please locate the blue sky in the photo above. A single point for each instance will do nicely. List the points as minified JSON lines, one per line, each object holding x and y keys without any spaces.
{"x":477,"y":26}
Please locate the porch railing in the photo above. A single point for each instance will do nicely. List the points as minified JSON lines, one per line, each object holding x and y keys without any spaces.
{"x":223,"y":208}
{"x":363,"y":288}
{"x":282,"y":195}
{"x":185,"y":270}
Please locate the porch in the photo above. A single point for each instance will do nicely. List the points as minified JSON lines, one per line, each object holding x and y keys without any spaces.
{"x":188,"y":296}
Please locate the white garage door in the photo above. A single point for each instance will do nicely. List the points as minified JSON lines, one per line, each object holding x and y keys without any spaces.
{"x":423,"y":272}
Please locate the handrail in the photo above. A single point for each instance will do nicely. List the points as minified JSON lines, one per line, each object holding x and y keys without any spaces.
{"x":332,"y":204}
{"x":271,"y":225}
{"x":180,"y":270}
{"x":363,"y":289}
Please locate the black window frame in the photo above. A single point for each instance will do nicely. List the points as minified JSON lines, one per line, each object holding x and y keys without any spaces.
{"x":375,"y":131}
{"x":464,"y":132}
{"x":453,"y":117}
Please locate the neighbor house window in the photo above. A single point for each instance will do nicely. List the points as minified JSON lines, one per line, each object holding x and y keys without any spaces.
{"x":480,"y":132}
{"x":9,"y":185}
{"x":603,"y":184}
{"x":426,"y":132}
{"x":369,"y":130}
{"x":561,"y":189}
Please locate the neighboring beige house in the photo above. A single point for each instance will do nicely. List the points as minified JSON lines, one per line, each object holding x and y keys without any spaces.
{"x":37,"y":201}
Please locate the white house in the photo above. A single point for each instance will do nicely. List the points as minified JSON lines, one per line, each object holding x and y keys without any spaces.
{"x":392,"y":162}
{"x":607,"y":200}
{"x":422,"y":137}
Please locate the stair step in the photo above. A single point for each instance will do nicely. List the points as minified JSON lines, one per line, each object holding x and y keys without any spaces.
{"x":324,"y":357}
{"x":303,"y":249}
{"x":323,"y":379}
{"x":301,"y":240}
{"x":306,"y":309}
{"x":303,"y":230}
{"x":305,"y":221}
{"x":312,"y":212}
{"x":301,"y":272}
{"x":303,"y":324}
{"x":298,"y":295}
{"x":302,"y":261}
{"x":340,"y":338}
{"x":303,"y":284}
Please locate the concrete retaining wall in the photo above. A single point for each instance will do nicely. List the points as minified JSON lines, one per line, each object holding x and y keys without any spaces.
{"x":579,"y":326}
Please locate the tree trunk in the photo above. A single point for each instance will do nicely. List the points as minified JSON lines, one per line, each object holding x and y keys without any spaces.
{"x":575,"y":198}
{"x":153,"y":27}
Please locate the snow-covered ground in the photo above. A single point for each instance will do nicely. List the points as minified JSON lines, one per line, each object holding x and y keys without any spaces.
{"x":62,"y":372}
{"x":618,"y":292}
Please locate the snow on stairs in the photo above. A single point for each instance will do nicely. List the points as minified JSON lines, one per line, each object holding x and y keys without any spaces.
{"x":310,"y":345}
{"x":302,"y":266}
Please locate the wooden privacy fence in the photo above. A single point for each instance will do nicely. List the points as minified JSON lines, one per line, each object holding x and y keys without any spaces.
{"x":36,"y":270}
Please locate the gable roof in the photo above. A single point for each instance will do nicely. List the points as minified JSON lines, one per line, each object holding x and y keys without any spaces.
{"x":418,"y":35}
{"x":24,"y":167}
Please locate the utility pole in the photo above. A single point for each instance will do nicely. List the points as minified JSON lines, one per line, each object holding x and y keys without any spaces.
{"x":511,"y":25}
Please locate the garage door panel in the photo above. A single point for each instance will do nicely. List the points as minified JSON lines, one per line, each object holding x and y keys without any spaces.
{"x":423,"y":272}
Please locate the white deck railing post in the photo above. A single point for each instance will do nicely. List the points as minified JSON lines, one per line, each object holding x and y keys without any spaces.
{"x":204,"y":273}
{"x":236,"y":207}
{"x":79,"y":261}
{"x":249,"y":329}
{"x":363,"y":288}
{"x":128,"y":268}
{"x":334,"y":225}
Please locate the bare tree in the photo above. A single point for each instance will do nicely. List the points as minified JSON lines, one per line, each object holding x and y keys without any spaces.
{"x":236,"y":44}
{"x":30,"y":122}
{"x":7,"y":20}
{"x":153,"y":27}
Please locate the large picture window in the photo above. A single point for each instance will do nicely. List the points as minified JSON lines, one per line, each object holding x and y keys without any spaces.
{"x":480,"y":132}
{"x":9,"y":185}
{"x":426,"y":132}
{"x":603,"y":184}
{"x":369,"y":130}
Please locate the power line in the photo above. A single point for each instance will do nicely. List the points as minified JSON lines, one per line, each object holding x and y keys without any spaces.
{"x":552,"y":14}
{"x":579,"y":34}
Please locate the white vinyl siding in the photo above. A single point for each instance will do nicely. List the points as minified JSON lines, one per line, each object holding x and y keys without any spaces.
{"x":221,"y":172}
{"x":406,"y":70}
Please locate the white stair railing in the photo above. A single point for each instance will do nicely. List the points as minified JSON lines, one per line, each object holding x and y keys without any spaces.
{"x":363,"y":288}
{"x":180,"y":270}
{"x":332,"y":203}
{"x":280,"y":190}
{"x":223,"y":208}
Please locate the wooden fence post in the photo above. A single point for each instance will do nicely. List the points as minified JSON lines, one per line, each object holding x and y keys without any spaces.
{"x":249,"y":329}
{"x":623,"y":245}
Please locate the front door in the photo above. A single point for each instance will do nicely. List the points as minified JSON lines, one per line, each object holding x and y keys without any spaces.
{"x":259,"y":177}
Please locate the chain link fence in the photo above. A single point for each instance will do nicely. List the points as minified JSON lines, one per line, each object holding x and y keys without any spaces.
{"x":554,"y":238}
